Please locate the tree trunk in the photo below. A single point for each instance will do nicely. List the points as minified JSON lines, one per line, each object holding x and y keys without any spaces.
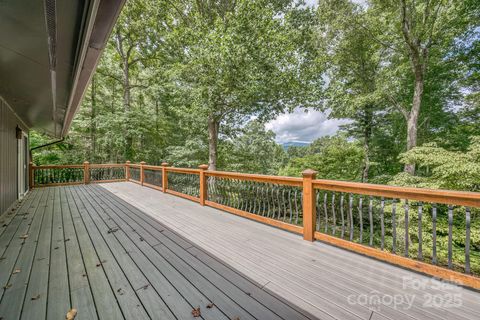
{"x":92,"y":122}
{"x":412,"y":122}
{"x":213,"y":125}
{"x":367,"y":133}
{"x":126,"y":105}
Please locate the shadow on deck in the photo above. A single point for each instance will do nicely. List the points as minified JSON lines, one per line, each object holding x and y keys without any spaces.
{"x":120,"y":250}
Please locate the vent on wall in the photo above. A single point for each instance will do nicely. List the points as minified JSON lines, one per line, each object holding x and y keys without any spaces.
{"x":51,"y":20}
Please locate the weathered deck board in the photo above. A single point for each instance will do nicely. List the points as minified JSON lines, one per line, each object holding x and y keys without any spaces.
{"x":12,"y":299}
{"x":122,"y":251}
{"x":280,"y":261}
{"x":80,"y":293}
{"x":194,"y":270}
{"x":87,"y":249}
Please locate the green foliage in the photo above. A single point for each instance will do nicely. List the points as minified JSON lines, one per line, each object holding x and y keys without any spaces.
{"x":440,"y":168}
{"x":333,"y":157}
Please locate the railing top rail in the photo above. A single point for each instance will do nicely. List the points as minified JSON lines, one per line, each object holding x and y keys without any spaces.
{"x":107,"y":165}
{"x":291,"y":181}
{"x":149,"y":167}
{"x":68,"y":166}
{"x":183,"y":170}
{"x":462,"y":198}
{"x":133,"y":165}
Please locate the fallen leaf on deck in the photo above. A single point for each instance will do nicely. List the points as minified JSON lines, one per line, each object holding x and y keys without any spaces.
{"x":56,"y":248}
{"x":210,"y":305}
{"x":7,"y":286}
{"x":71,"y":314}
{"x":112,"y":230}
{"x":25,"y":236}
{"x":36,"y":297}
{"x":236,"y":318}
{"x":16,"y":271}
{"x":196,"y":312}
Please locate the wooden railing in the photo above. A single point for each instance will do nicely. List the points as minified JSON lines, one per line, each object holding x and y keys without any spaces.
{"x":409,"y":227}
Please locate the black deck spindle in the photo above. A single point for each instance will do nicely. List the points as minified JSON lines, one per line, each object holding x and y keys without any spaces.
{"x":360,"y":215}
{"x":326,"y":211}
{"x":370,"y":217}
{"x":450,"y":235}
{"x":342,"y":214}
{"x":382,"y":223}
{"x":394,"y":226}
{"x":434,"y":234}
{"x":350,"y":212}
{"x":467,"y":240}
{"x":333,"y":214}
{"x":406,"y":227}
{"x":420,"y":238}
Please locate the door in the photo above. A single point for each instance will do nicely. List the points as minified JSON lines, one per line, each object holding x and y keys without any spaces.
{"x":22,"y":165}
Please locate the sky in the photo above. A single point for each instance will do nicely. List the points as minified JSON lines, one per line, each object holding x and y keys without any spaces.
{"x":303,"y":126}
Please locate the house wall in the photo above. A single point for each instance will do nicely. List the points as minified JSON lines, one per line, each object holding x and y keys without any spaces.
{"x":8,"y":156}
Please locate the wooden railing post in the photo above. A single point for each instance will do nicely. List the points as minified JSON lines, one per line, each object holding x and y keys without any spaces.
{"x":203,"y":183}
{"x":309,"y":207}
{"x":86,"y":172}
{"x":164,"y":177}
{"x":127,"y":170}
{"x":142,"y":176}
{"x":30,"y":175}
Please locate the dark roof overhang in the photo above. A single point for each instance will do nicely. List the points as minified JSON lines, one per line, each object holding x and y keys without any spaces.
{"x":48,"y":52}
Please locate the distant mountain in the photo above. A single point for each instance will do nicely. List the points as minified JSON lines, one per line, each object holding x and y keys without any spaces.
{"x":287,"y":145}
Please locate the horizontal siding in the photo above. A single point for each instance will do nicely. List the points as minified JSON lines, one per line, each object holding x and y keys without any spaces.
{"x":8,"y":156}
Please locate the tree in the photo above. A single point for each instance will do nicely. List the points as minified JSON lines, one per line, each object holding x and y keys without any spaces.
{"x":419,"y":33}
{"x":243,"y":58}
{"x":353,"y":59}
{"x":444,"y":169}
{"x":254,"y":150}
{"x":333,"y":157}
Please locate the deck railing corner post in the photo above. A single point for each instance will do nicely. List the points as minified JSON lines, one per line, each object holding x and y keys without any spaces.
{"x":142,"y":175}
{"x":127,"y":170}
{"x":203,"y":183}
{"x":164,"y":176}
{"x":86,"y":172}
{"x":309,"y":207}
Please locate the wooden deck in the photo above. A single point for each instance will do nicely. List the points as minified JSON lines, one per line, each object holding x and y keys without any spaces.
{"x":82,"y":247}
{"x":122,"y":251}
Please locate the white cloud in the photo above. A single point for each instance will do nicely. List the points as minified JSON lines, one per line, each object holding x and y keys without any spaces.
{"x":303,"y":126}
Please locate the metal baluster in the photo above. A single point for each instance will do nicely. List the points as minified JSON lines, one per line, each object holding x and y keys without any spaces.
{"x":317,"y":207}
{"x":394,"y":225}
{"x":382,"y":222}
{"x":333,"y":214}
{"x":273,"y":201}
{"x":326,"y":211}
{"x":467,"y":240}
{"x":284,"y":204}
{"x":360,"y":214}
{"x":420,"y":238}
{"x":350,"y":212}
{"x":406,"y":227}
{"x":450,"y":225}
{"x":263,"y":200}
{"x":370,"y":217}
{"x":290,"y":204}
{"x":279,"y":205}
{"x":342,"y":214}
{"x":296,"y":207}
